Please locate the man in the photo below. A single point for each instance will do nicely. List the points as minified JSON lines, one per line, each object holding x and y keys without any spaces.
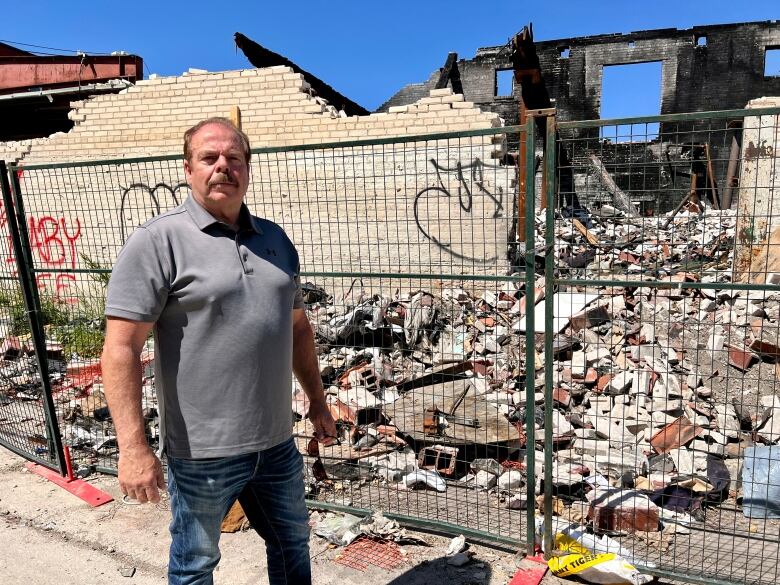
{"x":220,"y":289}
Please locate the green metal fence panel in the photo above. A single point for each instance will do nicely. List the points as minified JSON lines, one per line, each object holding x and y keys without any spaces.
{"x":530,"y":337}
{"x":412,"y":275}
{"x":73,"y":220}
{"x":665,"y":337}
{"x":549,"y":313}
{"x":27,"y":422}
{"x":413,"y":244}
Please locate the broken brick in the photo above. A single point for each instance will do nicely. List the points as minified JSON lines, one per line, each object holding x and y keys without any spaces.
{"x":674,"y":435}
{"x":623,"y":511}
{"x":740,"y":359}
{"x":561,"y":396}
{"x":11,"y":348}
{"x":765,"y":348}
{"x":603,"y":382}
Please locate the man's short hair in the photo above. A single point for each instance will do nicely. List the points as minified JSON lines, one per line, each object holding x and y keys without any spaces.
{"x":243,"y":138}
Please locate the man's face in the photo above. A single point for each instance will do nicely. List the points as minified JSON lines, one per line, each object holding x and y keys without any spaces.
{"x":217,"y":172}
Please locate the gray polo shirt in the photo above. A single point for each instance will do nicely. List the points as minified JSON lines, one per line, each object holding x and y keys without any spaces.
{"x":222,"y":305}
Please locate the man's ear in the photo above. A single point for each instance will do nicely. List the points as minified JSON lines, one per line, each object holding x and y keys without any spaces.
{"x":187,"y":170}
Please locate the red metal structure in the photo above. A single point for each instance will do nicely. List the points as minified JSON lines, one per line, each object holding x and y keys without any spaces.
{"x":36,"y":91}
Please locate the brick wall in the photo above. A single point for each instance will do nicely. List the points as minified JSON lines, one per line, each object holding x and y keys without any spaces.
{"x":150,"y":117}
{"x":12,"y":152}
{"x":725,"y":72}
{"x":427,"y":206}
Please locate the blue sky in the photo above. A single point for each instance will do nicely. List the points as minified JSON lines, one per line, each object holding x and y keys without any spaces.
{"x":366,"y":50}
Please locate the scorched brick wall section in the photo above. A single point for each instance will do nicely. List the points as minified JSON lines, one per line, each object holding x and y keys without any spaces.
{"x":704,"y":68}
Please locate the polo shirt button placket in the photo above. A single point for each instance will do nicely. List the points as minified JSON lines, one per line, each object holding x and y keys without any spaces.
{"x":242,"y":254}
{"x":245,"y":257}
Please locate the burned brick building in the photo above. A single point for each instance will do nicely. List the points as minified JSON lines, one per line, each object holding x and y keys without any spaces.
{"x":704,"y":68}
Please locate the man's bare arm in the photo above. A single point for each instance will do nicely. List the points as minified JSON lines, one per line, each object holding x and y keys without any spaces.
{"x":140,"y":471}
{"x":307,"y":370}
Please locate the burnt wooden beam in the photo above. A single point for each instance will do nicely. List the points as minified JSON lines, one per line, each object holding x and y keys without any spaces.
{"x":446,"y":71}
{"x":261,"y":57}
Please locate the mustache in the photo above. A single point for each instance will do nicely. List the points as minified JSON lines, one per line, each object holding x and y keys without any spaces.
{"x":221,"y":179}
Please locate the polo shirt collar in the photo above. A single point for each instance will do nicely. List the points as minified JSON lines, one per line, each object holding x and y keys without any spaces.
{"x":204,"y":219}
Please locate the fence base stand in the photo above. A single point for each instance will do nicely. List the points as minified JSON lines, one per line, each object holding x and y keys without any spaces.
{"x":78,"y":487}
{"x":532,"y":573}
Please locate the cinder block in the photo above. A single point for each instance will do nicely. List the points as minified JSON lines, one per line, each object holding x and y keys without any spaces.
{"x":441,"y":92}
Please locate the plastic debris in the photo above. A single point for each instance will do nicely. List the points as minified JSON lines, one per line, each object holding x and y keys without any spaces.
{"x":761,"y":482}
{"x":423,"y":476}
{"x":457,"y":544}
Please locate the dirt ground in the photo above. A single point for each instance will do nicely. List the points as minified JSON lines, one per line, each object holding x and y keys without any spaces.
{"x":50,"y":536}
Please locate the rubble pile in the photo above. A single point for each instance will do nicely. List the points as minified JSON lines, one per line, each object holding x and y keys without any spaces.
{"x":77,"y":393}
{"x":650,"y":411}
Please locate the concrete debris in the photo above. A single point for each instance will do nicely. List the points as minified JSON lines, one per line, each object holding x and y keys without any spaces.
{"x":343,"y":529}
{"x":459,"y":559}
{"x":457,"y":544}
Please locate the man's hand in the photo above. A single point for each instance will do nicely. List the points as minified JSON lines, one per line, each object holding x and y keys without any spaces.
{"x":324,"y":425}
{"x":307,"y":371}
{"x":140,"y":474}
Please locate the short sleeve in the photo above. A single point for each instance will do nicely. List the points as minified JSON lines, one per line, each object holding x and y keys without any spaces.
{"x":140,"y":280}
{"x":298,"y":301}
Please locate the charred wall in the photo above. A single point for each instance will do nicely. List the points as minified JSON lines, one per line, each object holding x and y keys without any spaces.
{"x":704,"y":68}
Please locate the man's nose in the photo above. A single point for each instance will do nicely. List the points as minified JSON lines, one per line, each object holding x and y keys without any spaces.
{"x":222,"y":164}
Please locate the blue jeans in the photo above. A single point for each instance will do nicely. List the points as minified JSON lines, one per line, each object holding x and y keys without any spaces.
{"x":269,"y":485}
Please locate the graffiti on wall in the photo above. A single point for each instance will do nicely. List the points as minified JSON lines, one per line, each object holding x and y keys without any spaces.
{"x":135,"y":208}
{"x":53,"y":244}
{"x":53,"y":239}
{"x":451,"y":216}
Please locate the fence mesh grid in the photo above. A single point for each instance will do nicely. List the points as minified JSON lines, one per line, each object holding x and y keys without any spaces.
{"x":665,"y":379}
{"x":23,"y":426}
{"x":654,"y":338}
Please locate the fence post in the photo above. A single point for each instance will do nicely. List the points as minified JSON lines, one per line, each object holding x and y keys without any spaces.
{"x":551,"y":198}
{"x":530,"y":325}
{"x":17,"y":225}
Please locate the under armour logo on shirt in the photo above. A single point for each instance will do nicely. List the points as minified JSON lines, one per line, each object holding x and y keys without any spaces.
{"x":270,"y":252}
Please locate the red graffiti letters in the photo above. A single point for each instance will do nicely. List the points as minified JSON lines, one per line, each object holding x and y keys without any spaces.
{"x":53,"y":244}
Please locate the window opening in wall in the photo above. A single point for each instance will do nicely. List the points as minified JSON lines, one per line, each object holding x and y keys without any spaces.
{"x":629,"y":91}
{"x":564,"y":52}
{"x":772,"y":62}
{"x":505,"y":80}
{"x":631,"y":44}
{"x":701,"y":41}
